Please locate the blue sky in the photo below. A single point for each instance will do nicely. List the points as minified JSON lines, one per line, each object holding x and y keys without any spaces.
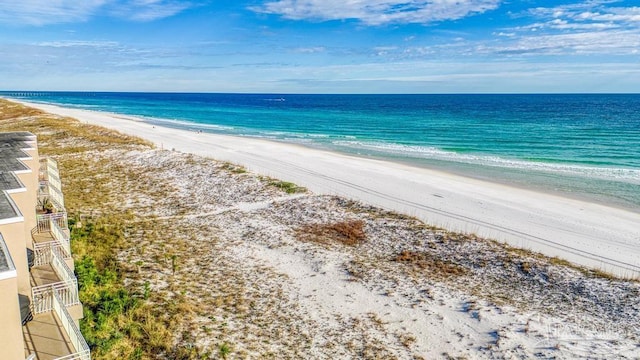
{"x":321,"y":46}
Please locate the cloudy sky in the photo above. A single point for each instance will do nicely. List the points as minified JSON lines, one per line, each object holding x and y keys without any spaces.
{"x":321,"y":46}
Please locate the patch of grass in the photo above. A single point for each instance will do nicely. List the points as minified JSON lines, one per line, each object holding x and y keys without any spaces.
{"x":430,"y":263}
{"x":59,"y":135}
{"x":407,"y":340}
{"x":117,"y":322}
{"x":288,"y":187}
{"x":526,"y":256}
{"x":11,"y":110}
{"x":233,"y":168}
{"x":350,"y":233}
{"x":604,"y":275}
{"x":224,"y":350}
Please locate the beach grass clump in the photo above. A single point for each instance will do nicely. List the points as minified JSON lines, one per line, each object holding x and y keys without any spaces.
{"x":430,"y":263}
{"x":60,"y":135}
{"x":288,"y":187}
{"x":117,"y":322}
{"x":349,"y":232}
{"x":233,"y":168}
{"x":14,"y":111}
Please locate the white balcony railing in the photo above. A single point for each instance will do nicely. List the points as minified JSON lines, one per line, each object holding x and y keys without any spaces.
{"x":51,"y":180}
{"x":60,"y":235}
{"x":44,"y":221}
{"x":52,"y":165}
{"x":42,"y":296}
{"x":43,"y":252}
{"x":53,"y":194}
{"x":78,"y":341}
{"x":66,"y":288}
{"x":62,"y":270}
{"x":48,"y":168}
{"x":47,"y":174}
{"x":49,"y":162}
{"x":54,"y":178}
{"x":83,"y":355}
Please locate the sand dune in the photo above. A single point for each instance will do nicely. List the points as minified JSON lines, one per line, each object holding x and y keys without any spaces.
{"x":588,"y":234}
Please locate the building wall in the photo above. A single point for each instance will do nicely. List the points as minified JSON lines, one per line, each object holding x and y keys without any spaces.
{"x":32,"y":180}
{"x":14,"y":237}
{"x":28,"y":205}
{"x":24,"y":202}
{"x":11,"y":340}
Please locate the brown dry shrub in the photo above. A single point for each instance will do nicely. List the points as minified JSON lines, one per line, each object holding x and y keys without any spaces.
{"x":350,"y":233}
{"x":13,"y":111}
{"x":429,"y":263}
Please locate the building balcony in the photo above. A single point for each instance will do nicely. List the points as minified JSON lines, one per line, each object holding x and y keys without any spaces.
{"x":52,"y":267}
{"x":50,"y":199}
{"x":51,"y":274}
{"x":48,"y":179}
{"x":53,"y":331}
{"x":53,"y":335}
{"x":49,"y":169}
{"x":50,"y":196}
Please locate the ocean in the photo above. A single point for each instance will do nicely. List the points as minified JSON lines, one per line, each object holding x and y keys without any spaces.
{"x":584,"y":146}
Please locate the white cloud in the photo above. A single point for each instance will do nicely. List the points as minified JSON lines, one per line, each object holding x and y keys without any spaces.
{"x":595,"y":42}
{"x":310,"y":50}
{"x":44,"y":12}
{"x":589,"y":27}
{"x":377,"y":12}
{"x":149,"y":10}
{"x":69,"y":44}
{"x":630,"y":14}
{"x":590,"y":14}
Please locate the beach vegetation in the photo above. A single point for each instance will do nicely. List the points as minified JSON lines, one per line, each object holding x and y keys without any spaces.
{"x":233,"y":168}
{"x":45,"y":205}
{"x":120,"y":320}
{"x":407,"y":340}
{"x":288,"y":187}
{"x":224,"y":350}
{"x":430,"y":263}
{"x":174,"y":263}
{"x":350,"y":233}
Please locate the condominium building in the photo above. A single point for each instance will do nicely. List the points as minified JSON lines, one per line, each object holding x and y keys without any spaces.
{"x":39,"y":305}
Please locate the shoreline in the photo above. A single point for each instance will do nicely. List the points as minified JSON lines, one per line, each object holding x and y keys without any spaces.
{"x":585,"y":233}
{"x":461,"y":169}
{"x":598,"y":189}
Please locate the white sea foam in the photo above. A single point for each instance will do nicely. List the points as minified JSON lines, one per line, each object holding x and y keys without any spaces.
{"x":427,"y":152}
{"x":189,"y":124}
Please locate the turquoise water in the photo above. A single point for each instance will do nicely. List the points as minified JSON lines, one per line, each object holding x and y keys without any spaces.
{"x":584,"y":146}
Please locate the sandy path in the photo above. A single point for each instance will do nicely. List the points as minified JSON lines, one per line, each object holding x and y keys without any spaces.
{"x":585,"y":233}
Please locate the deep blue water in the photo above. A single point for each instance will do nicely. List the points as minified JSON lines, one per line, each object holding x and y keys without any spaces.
{"x":582,"y":145}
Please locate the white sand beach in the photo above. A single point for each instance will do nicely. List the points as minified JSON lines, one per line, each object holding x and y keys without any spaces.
{"x":587,"y":234}
{"x":271,"y":273}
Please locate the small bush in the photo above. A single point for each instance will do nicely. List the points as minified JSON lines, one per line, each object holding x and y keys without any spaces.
{"x":288,"y":187}
{"x":350,"y":233}
{"x":233,"y":168}
{"x":428,"y":262}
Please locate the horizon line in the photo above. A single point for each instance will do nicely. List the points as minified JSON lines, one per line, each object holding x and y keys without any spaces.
{"x":5,"y":92}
